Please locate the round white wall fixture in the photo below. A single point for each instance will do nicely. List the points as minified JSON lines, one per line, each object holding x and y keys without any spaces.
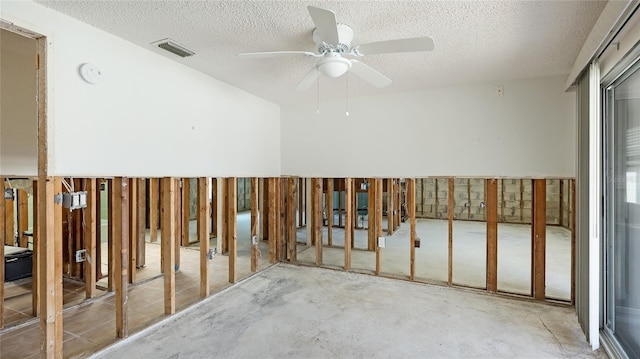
{"x":90,"y":73}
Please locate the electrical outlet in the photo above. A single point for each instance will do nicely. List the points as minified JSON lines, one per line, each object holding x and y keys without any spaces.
{"x":74,"y":200}
{"x":381,"y":242}
{"x":81,"y":255}
{"x":254,"y":240}
{"x":8,"y":194}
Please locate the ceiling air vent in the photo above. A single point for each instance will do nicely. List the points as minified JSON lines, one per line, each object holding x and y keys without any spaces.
{"x":174,"y":47}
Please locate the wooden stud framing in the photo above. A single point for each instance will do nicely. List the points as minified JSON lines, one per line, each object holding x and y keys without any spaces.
{"x":371,"y":215}
{"x":572,"y":223}
{"x":178,"y":225}
{"x":133,"y":229}
{"x":203,"y":235}
{"x":168,"y":246}
{"x":348,"y":221}
{"x":538,"y":227}
{"x":301,"y":202}
{"x":224,"y":218}
{"x":89,"y":217}
{"x":291,"y":220}
{"x":232,"y":229}
{"x":214,"y":206}
{"x":273,"y":216}
{"x":35,"y":277}
{"x":492,"y":234}
{"x":186,"y":210}
{"x":390,"y":206}
{"x":308,"y":186}
{"x":411,"y":204}
{"x":254,"y":223}
{"x":281,"y":251}
{"x":329,"y":201}
{"x":50,"y":266}
{"x":120,"y":200}
{"x":378,"y":223}
{"x":9,"y":226}
{"x":561,"y":203}
{"x":153,"y":209}
{"x":141,"y":209}
{"x":316,"y":204}
{"x":450,"y":197}
{"x":23,"y":217}
{"x":110,"y":235}
{"x":2,"y":230}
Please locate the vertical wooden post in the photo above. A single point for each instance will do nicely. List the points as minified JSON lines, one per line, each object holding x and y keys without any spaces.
{"x":168,"y":246}
{"x":35,"y":277}
{"x":280,"y":246}
{"x":120,"y":201}
{"x":371,"y":215}
{"x":492,"y":235}
{"x":110,"y":237}
{"x":219,"y":214}
{"x":224,"y":218}
{"x":50,"y":259}
{"x":291,"y":219}
{"x":140,"y":225}
{"x":309,"y":211}
{"x":23,"y":217}
{"x":232,"y":227}
{"x":178,"y":224}
{"x":153,"y":209}
{"x":539,"y":220}
{"x":450,"y":197}
{"x":572,"y":223}
{"x":301,"y":202}
{"x":2,"y":230}
{"x":9,"y":228}
{"x":186,"y":210}
{"x":561,"y":202}
{"x":161,"y":201}
{"x":317,"y":217}
{"x":214,"y":206}
{"x":329,"y":200}
{"x":133,"y":229}
{"x":390,"y":206}
{"x":273,"y":217}
{"x":411,"y":204}
{"x":89,"y":237}
{"x":378,"y":224}
{"x":254,"y":223}
{"x":348,"y":221}
{"x":203,"y":234}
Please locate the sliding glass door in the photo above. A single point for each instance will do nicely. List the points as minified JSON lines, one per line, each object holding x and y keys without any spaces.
{"x":622,"y":211}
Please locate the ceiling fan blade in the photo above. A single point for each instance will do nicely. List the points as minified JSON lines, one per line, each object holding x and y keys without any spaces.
{"x":308,"y":80}
{"x":326,"y":24}
{"x":276,"y":54}
{"x":400,"y":45}
{"x":369,"y":74}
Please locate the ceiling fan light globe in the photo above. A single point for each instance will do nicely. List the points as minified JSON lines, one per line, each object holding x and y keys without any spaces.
{"x":334,"y":66}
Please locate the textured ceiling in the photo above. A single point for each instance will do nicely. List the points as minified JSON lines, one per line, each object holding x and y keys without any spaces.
{"x":475,"y":41}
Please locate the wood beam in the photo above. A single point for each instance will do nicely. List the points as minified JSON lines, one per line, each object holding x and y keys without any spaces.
{"x":89,"y":218}
{"x":450,"y":197}
{"x":273,"y":216}
{"x":254,"y":223}
{"x":301,"y":202}
{"x":110,"y":236}
{"x":178,"y":223}
{"x":220,"y":214}
{"x":492,"y":235}
{"x":291,"y":219}
{"x":186,"y":210}
{"x":35,"y":272}
{"x":120,"y":200}
{"x":132,"y":198}
{"x":371,"y":215}
{"x":50,"y":266}
{"x":390,"y":206}
{"x":378,"y":224}
{"x":539,"y":219}
{"x":348,"y":221}
{"x":224,"y":218}
{"x":203,"y":234}
{"x":232,"y":227}
{"x":309,"y":210}
{"x":141,"y":208}
{"x":168,"y":243}
{"x":329,"y":200}
{"x":281,"y":244}
{"x":153,"y":209}
{"x":23,"y":217}
{"x":411,"y":204}
{"x":214,"y":206}
{"x":317,"y":217}
{"x":2,"y":230}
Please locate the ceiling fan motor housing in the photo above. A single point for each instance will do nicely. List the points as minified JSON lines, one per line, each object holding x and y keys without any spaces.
{"x":345,"y":35}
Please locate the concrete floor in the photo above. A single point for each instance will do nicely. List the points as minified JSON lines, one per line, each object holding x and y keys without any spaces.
{"x":469,"y":255}
{"x":303,"y":312}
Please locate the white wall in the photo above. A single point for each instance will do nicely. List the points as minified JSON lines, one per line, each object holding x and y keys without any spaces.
{"x":18,"y":109}
{"x":150,"y":116}
{"x":455,"y":131}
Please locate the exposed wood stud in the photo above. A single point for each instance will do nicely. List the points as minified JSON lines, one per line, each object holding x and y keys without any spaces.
{"x":120,"y":207}
{"x":50,"y":267}
{"x":316,"y":204}
{"x":153,"y":209}
{"x":422,"y":197}
{"x":89,"y":218}
{"x":281,"y":251}
{"x":168,"y":247}
{"x":348,"y":227}
{"x":186,"y":210}
{"x":492,"y":234}
{"x":141,"y":208}
{"x":178,"y":225}
{"x":450,"y":209}
{"x":561,"y":204}
{"x":220,"y":218}
{"x":23,"y":217}
{"x":35,"y":277}
{"x":371,"y":215}
{"x":133,"y":229}
{"x":2,"y":230}
{"x":309,"y":211}
{"x":572,"y":222}
{"x":390,"y":201}
{"x":522,"y":201}
{"x":110,"y":235}
{"x":161,"y":205}
{"x":329,"y":201}
{"x":539,"y":218}
{"x":411,"y":204}
{"x":254,"y":223}
{"x":300,"y":202}
{"x":203,"y":234}
{"x":340,"y":207}
{"x":273,"y":217}
{"x":224,"y":218}
{"x":291,"y":216}
{"x":9,"y":226}
{"x":232,"y":229}
{"x":214,"y":206}
{"x":378,"y":223}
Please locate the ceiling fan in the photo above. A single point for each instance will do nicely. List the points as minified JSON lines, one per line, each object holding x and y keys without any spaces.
{"x":334,"y":45}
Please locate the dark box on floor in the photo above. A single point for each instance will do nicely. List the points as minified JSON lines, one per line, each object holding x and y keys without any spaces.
{"x":18,"y":265}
